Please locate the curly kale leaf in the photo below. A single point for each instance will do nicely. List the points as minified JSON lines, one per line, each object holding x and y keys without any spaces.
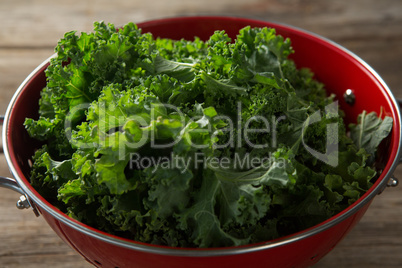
{"x":194,"y":143}
{"x":370,"y":131}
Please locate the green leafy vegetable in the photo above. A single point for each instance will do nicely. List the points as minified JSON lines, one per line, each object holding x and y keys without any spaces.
{"x":369,"y":131}
{"x":195,"y":143}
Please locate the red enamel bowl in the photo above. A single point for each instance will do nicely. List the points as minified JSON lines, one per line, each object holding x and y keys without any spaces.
{"x":332,"y":64}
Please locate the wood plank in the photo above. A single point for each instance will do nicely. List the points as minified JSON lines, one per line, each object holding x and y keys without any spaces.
{"x":43,"y":22}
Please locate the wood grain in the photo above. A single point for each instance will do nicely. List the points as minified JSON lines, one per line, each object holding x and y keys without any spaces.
{"x":30,"y":29}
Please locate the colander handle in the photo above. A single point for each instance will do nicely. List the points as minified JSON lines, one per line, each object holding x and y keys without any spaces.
{"x":23,"y":202}
{"x":9,"y":183}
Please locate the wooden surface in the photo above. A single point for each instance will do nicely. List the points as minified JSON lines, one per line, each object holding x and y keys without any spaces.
{"x":29,"y":29}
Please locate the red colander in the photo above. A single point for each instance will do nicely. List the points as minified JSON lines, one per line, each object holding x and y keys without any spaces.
{"x":357,"y":87}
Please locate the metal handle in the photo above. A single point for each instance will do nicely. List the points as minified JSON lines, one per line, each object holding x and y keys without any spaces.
{"x":23,"y":202}
{"x":399,"y":101}
{"x":10,"y":184}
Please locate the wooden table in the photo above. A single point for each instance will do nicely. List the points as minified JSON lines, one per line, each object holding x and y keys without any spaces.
{"x":29,"y":30}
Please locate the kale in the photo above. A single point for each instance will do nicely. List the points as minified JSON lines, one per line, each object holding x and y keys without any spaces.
{"x":195,"y":143}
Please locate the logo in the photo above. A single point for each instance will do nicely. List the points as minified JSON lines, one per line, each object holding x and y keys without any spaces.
{"x":128,"y":134}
